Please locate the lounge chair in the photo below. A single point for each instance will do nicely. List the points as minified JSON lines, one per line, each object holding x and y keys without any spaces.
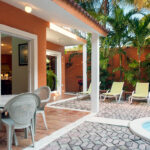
{"x":141,"y":92}
{"x":86,"y":93}
{"x":116,"y":91}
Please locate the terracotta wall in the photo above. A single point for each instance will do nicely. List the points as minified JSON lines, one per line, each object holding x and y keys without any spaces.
{"x":19,"y":19}
{"x":59,"y":48}
{"x":131,"y":52}
{"x":74,"y":72}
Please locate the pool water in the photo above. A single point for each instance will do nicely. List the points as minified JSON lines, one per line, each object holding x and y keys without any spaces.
{"x":146,"y":126}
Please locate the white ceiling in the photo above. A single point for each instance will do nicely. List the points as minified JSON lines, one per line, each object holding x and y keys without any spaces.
{"x":50,"y":11}
{"x":61,"y":39}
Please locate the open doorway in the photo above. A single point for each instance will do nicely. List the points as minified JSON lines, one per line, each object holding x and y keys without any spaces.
{"x":51,"y":65}
{"x":53,"y":68}
{"x":14,"y":65}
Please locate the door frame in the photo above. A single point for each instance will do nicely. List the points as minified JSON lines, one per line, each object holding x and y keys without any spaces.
{"x":59,"y":67}
{"x":32,"y":54}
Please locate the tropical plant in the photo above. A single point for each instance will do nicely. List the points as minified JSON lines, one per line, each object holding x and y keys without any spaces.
{"x":146,"y":68}
{"x":51,"y":79}
{"x":105,"y":55}
{"x":139,"y":3}
{"x":139,"y":36}
{"x":131,"y":73}
{"x":51,"y":76}
{"x":118,"y":34}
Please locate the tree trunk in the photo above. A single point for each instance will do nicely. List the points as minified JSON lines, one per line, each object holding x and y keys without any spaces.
{"x":106,"y":9}
{"x":121,"y":67}
{"x":139,"y":75}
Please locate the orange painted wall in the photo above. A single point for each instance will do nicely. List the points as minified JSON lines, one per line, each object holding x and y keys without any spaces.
{"x":19,"y":19}
{"x":74,"y":72}
{"x":131,"y":52}
{"x":59,"y":48}
{"x":76,"y":68}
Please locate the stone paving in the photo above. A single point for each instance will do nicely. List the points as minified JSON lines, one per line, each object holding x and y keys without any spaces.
{"x":111,"y":109}
{"x":96,"y":136}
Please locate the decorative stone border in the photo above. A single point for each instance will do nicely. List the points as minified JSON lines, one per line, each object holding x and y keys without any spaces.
{"x":136,"y":127}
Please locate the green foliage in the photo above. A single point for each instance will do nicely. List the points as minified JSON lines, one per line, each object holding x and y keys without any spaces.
{"x":131,"y":72}
{"x":74,"y":54}
{"x":104,"y":74}
{"x":146,"y":67}
{"x":124,"y":30}
{"x":139,"y":36}
{"x":118,"y":35}
{"x":51,"y":79}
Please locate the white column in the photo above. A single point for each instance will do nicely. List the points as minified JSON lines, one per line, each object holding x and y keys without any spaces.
{"x":84,"y":68}
{"x":95,"y":73}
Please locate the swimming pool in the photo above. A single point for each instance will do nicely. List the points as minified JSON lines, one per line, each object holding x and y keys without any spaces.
{"x":146,"y":126}
{"x":141,"y":127}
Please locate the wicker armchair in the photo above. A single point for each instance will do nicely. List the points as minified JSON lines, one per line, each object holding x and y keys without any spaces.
{"x":21,"y":111}
{"x":44,"y":94}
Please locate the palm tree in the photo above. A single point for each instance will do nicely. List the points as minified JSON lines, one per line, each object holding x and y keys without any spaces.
{"x":118,"y":24}
{"x":139,"y":3}
{"x":140,"y":33}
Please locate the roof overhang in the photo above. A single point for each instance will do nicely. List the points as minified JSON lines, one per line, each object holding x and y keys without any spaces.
{"x":62,"y":36}
{"x":60,"y":12}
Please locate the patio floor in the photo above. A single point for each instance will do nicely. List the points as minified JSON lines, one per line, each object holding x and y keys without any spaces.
{"x":56,"y":119}
{"x":111,"y":109}
{"x":88,"y":135}
{"x":96,"y":136}
{"x":61,"y":97}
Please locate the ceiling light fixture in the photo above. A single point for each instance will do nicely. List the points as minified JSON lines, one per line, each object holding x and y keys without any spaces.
{"x":2,"y":44}
{"x":28,"y":9}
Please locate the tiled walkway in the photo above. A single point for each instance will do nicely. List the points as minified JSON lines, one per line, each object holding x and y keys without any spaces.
{"x":61,"y":97}
{"x":89,"y":135}
{"x":96,"y":136}
{"x":113,"y":110}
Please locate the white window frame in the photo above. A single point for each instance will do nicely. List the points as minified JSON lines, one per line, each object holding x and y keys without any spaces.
{"x":33,"y":54}
{"x":59,"y":72}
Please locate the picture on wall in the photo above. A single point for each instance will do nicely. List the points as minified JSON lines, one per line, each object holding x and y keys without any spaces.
{"x":23,"y":54}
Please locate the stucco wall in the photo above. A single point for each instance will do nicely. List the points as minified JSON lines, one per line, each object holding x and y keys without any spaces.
{"x":74,"y":72}
{"x":131,"y":52}
{"x":19,"y":19}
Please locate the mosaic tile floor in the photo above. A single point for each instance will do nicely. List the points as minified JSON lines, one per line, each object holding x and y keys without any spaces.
{"x":111,"y":109}
{"x":96,"y":136}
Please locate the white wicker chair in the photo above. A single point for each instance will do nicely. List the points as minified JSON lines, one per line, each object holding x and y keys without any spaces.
{"x":44,"y":94}
{"x":21,"y":111}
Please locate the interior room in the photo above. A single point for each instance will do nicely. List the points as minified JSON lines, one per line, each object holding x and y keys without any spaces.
{"x":14,"y":65}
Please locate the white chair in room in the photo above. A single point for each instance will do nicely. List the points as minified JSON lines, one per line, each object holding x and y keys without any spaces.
{"x":44,"y":94}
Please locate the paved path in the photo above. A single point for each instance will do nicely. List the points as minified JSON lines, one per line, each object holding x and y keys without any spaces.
{"x":99,"y":136}
{"x":112,"y":110}
{"x":96,"y":136}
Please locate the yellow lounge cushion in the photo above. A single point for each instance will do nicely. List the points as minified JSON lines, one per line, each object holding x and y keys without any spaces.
{"x":141,"y":90}
{"x":111,"y":94}
{"x":139,"y":95}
